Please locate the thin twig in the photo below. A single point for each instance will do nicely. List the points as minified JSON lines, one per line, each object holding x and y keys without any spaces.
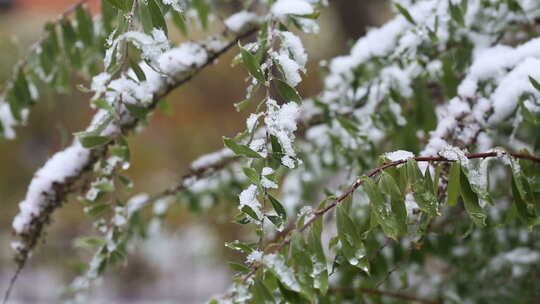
{"x":359,"y":182}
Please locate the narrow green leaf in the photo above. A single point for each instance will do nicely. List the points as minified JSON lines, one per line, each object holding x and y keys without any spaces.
{"x":92,"y":141}
{"x":424,"y":196}
{"x":320,"y":271}
{"x":470,"y":200}
{"x":252,"y":64}
{"x":278,"y":207}
{"x":453,"y":188}
{"x":85,"y":25}
{"x":252,"y":175}
{"x":405,"y":13}
{"x":389,"y":186}
{"x":137,"y":70}
{"x":348,"y":125}
{"x":158,"y":20}
{"x":138,"y":111}
{"x":238,"y":267}
{"x":534,"y":83}
{"x":286,"y":91}
{"x":120,"y":4}
{"x":241,"y":150}
{"x":179,"y":21}
{"x":145,"y":18}
{"x":203,"y":10}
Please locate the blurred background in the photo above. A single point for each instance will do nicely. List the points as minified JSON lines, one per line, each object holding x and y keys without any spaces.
{"x":186,"y":263}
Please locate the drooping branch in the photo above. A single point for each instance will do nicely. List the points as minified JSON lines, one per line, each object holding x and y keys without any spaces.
{"x":53,"y":192}
{"x":359,"y":182}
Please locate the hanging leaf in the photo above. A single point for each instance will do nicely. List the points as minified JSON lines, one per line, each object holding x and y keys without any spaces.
{"x":470,"y":200}
{"x":286,"y":91}
{"x":453,"y":189}
{"x":241,"y":150}
{"x":424,"y":196}
{"x":251,"y":64}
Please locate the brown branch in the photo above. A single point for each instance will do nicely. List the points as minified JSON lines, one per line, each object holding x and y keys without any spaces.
{"x":359,"y":182}
{"x":384,"y":293}
{"x":60,"y":190}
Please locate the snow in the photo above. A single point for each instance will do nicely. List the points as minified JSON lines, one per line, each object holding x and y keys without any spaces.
{"x":454,"y":154}
{"x":7,"y":121}
{"x":293,"y":44}
{"x":251,"y":121}
{"x":135,"y":203}
{"x":399,"y":155}
{"x":177,"y":5}
{"x":281,"y":122}
{"x":99,"y":84}
{"x":507,"y":95}
{"x":254,"y":256}
{"x":151,"y":46}
{"x":211,"y":159}
{"x":182,"y":59}
{"x":248,"y":197}
{"x":267,"y":171}
{"x":282,"y":8}
{"x":276,"y":263}
{"x":239,"y":21}
{"x":291,"y":69}
{"x":62,"y":166}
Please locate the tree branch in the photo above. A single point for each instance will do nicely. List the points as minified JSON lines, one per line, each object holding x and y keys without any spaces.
{"x":359,"y":182}
{"x":59,"y":190}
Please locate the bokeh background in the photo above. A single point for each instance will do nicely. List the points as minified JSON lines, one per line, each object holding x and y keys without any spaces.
{"x":187,"y":262}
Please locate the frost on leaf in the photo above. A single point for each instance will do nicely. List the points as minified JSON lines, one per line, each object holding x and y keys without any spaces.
{"x":281,"y":122}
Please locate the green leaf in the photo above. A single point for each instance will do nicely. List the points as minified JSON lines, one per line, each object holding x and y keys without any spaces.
{"x":238,"y":267}
{"x":352,"y":246}
{"x":470,"y":200}
{"x":424,"y":196}
{"x":120,"y":4}
{"x":381,"y":209}
{"x":348,"y":125}
{"x":137,"y":70}
{"x":179,"y":21}
{"x":203,"y":10}
{"x":241,"y":150}
{"x":89,"y":242}
{"x":528,"y":216}
{"x":261,"y":293}
{"x":456,"y":13}
{"x":92,"y":141}
{"x":239,"y":246}
{"x":139,"y":112}
{"x":247,"y":210}
{"x":70,"y":40}
{"x":252,"y":64}
{"x":320,"y":271}
{"x":158,"y":21}
{"x":286,"y":91}
{"x":85,"y":25}
{"x":405,"y":13}
{"x":97,"y":210}
{"x":534,"y":83}
{"x":453,"y":188}
{"x":276,"y":263}
{"x":389,"y":186}
{"x":145,"y":17}
{"x":252,"y":175}
{"x":278,"y":207}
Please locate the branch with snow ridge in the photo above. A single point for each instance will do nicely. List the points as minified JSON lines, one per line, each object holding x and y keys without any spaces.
{"x":62,"y":174}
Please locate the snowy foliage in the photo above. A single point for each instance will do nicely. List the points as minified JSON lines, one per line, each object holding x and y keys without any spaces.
{"x":403,"y":173}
